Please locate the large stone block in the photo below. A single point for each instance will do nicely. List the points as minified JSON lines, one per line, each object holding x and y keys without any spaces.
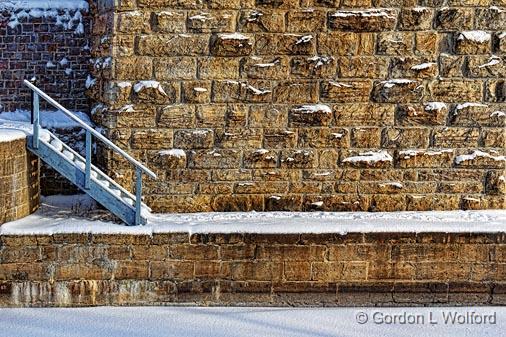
{"x":456,"y":91}
{"x":400,"y":90}
{"x":233,"y":44}
{"x":373,"y":20}
{"x":173,"y":45}
{"x":345,"y":91}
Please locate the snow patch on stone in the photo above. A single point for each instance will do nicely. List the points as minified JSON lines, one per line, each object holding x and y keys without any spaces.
{"x":370,"y":156}
{"x":392,"y":83}
{"x":423,"y":66}
{"x":141,"y":85}
{"x":476,"y":154}
{"x":173,"y":153}
{"x":478,"y":36}
{"x":431,"y":106}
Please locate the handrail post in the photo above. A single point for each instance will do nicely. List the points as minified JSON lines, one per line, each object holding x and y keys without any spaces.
{"x":138,"y":195}
{"x":87,"y":175}
{"x":36,"y":121}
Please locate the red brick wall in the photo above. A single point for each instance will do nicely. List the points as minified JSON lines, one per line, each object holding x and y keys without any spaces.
{"x":26,"y":49}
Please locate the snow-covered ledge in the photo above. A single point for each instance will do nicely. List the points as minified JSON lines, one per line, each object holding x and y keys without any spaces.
{"x":77,"y":214}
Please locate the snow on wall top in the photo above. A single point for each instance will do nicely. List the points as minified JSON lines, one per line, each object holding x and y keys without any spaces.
{"x":44,"y":4}
{"x":10,"y":135}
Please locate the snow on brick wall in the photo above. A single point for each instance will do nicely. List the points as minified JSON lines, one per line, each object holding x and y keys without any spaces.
{"x":49,"y":40}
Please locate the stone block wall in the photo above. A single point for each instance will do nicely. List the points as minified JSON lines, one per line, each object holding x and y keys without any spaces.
{"x":50,"y":42}
{"x":391,"y":269}
{"x":19,"y":177}
{"x":333,"y":105}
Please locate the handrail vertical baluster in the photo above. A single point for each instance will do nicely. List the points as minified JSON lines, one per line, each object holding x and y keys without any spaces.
{"x":36,"y":120}
{"x":138,"y":195}
{"x":88,"y":160}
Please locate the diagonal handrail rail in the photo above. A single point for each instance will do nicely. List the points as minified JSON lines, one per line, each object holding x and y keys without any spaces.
{"x":90,"y":129}
{"x":139,"y":168}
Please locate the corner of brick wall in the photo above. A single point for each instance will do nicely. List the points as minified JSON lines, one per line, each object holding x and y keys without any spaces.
{"x":19,"y":181}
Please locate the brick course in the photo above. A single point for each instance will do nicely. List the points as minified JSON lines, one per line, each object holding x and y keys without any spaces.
{"x":254,"y":269}
{"x":270,"y":99}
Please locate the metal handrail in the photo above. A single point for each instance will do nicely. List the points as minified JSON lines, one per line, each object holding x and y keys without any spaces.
{"x":90,"y":129}
{"x":139,"y":168}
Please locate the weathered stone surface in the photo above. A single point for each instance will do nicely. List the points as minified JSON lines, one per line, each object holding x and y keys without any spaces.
{"x":306,"y":105}
{"x":401,"y":90}
{"x":231,"y":45}
{"x":345,"y":91}
{"x":363,"y":21}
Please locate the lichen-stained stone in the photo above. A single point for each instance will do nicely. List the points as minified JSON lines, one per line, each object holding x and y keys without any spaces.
{"x":456,"y":91}
{"x":170,"y":21}
{"x":177,"y":116}
{"x":477,"y":114}
{"x":472,"y":42}
{"x":231,"y":44}
{"x":270,"y":21}
{"x":364,"y":114}
{"x":310,"y":115}
{"x":131,"y":116}
{"x":214,"y":158}
{"x":174,"y":68}
{"x":184,"y":4}
{"x":306,"y":20}
{"x":413,"y":67}
{"x":170,"y":159}
{"x":424,"y":158}
{"x":194,"y":139}
{"x":295,"y":92}
{"x":285,"y":44}
{"x":398,"y":90}
{"x":261,"y":158}
{"x":492,"y":18}
{"x":268,"y":67}
{"x":173,"y":45}
{"x":362,"y":67}
{"x":314,"y":66}
{"x":215,"y":21}
{"x":451,"y":65}
{"x":453,"y":18}
{"x":133,"y":22}
{"x":431,"y":113}
{"x":373,"y":20}
{"x":156,"y":92}
{"x":486,"y":66}
{"x":152,"y":139}
{"x":418,"y":18}
{"x":132,"y":68}
{"x":456,"y":137}
{"x":280,"y":4}
{"x":405,"y":138}
{"x":345,"y":91}
{"x":395,"y":43}
{"x":323,"y":138}
{"x":387,"y":203}
{"x":298,"y":159}
{"x":218,"y":68}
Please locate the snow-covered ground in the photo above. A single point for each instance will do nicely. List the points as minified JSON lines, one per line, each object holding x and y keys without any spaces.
{"x":71,"y":214}
{"x":248,"y":322}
